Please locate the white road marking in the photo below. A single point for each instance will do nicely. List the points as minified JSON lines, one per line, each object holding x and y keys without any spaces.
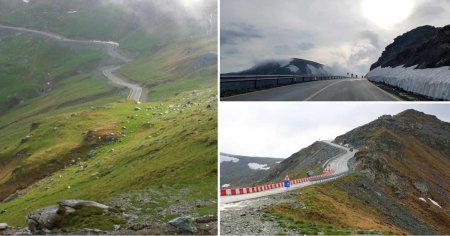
{"x":323,"y":89}
{"x":390,"y":95}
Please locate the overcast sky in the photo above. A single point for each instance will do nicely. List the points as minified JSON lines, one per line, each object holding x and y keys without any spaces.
{"x":281,"y":129}
{"x":346,"y":35}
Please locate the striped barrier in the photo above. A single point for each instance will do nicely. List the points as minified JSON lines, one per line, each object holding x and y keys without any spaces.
{"x":247,"y":190}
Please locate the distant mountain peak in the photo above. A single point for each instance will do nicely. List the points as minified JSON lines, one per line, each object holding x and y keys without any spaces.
{"x":292,"y":66}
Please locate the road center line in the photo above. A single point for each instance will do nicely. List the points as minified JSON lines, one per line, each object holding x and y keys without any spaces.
{"x":323,"y":89}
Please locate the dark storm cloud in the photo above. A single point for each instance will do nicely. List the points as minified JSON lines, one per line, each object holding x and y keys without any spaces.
{"x":235,"y":33}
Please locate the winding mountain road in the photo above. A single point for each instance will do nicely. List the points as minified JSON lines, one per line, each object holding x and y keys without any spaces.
{"x":326,"y":90}
{"x":338,"y":163}
{"x":112,"y":50}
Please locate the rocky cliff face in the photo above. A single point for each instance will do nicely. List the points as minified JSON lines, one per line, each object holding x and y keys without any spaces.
{"x":418,"y":62}
{"x":407,"y":156}
{"x":395,"y":53}
{"x":294,"y":66}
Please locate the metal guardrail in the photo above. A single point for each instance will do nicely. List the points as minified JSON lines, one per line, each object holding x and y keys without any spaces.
{"x":255,"y":82}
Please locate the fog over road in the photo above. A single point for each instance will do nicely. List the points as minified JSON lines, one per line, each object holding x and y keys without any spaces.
{"x":338,"y":163}
{"x":325,"y":90}
{"x":112,"y":50}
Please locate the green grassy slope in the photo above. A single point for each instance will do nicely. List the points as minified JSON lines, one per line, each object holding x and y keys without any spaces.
{"x":176,"y":67}
{"x":92,"y":21}
{"x":168,"y":151}
{"x":330,"y":209}
{"x":169,"y":147}
{"x":168,"y":58}
{"x":30,"y":66}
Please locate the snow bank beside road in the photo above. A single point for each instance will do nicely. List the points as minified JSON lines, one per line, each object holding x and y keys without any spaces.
{"x":433,"y":82}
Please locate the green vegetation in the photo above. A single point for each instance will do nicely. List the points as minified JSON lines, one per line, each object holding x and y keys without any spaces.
{"x":91,"y":21}
{"x":165,"y":148}
{"x":33,"y":65}
{"x":176,"y":67}
{"x":139,"y":40}
{"x":89,"y":217}
{"x":169,"y":148}
{"x":203,"y":79}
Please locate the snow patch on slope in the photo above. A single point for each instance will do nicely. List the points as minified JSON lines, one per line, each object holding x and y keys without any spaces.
{"x":316,"y":70}
{"x":228,"y":159}
{"x":434,"y":202}
{"x":256,"y":166}
{"x":293,"y":68}
{"x":433,"y":82}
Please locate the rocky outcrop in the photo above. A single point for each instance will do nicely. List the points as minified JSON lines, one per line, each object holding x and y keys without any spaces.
{"x":406,"y":156}
{"x":79,"y":204}
{"x":185,"y":224}
{"x":3,"y":226}
{"x":34,"y":126}
{"x":45,"y":219}
{"x":395,"y":53}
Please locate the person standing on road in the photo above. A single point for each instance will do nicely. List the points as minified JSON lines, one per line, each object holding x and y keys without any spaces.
{"x":287,"y":182}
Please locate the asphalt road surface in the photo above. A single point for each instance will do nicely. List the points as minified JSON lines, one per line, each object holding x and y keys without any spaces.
{"x":135,"y":89}
{"x":338,"y":163}
{"x":112,"y":50}
{"x":325,"y":90}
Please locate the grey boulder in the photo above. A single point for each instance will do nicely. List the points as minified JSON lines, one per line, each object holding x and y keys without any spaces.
{"x":45,"y":219}
{"x":79,"y":204}
{"x":185,"y":224}
{"x":3,"y":226}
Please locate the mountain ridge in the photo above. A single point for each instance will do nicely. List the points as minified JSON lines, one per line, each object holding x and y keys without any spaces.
{"x":293,"y":66}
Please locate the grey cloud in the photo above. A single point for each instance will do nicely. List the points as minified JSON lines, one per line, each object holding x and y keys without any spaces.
{"x":431,"y":9}
{"x":334,"y":33}
{"x":305,"y":46}
{"x":372,"y":36}
{"x":235,"y":33}
{"x":285,"y":48}
{"x":283,"y":134}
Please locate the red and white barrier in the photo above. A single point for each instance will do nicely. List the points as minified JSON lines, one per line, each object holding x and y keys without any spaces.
{"x":247,"y":190}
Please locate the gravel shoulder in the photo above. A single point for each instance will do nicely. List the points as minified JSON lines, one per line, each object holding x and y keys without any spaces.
{"x":249,"y":217}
